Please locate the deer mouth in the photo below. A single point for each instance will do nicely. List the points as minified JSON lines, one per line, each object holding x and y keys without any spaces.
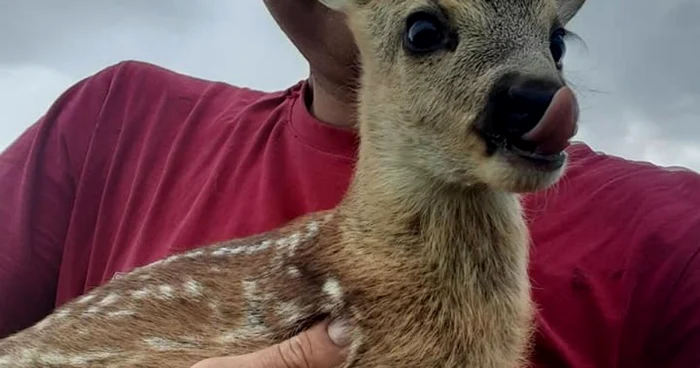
{"x":535,"y":135}
{"x":523,"y":154}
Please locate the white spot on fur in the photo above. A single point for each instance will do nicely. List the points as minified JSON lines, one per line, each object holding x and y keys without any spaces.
{"x":57,"y":359}
{"x":311,"y":229}
{"x":193,"y":287}
{"x":92,"y":310}
{"x":109,"y":299}
{"x":332,"y":288}
{"x":230,"y":337}
{"x":289,"y":243}
{"x":249,"y":288}
{"x":294,"y":241}
{"x":260,"y":247}
{"x":61,"y":313}
{"x":195,"y":254}
{"x":121,"y":313}
{"x":43,"y":323}
{"x":152,"y":264}
{"x":253,"y":308}
{"x":118,"y":275}
{"x":247,"y":249}
{"x":228,"y":251}
{"x":293,"y":271}
{"x":86,"y":298}
{"x":140,"y":294}
{"x":164,"y":261}
{"x":33,"y":357}
{"x":26,"y":357}
{"x":172,"y":259}
{"x":165,"y":291}
{"x":161,"y":344}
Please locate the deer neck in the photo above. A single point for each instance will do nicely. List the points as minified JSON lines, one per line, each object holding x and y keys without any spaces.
{"x":454,"y":257}
{"x":463,"y":234}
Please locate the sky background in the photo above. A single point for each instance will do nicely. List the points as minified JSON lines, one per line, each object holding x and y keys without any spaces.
{"x":638,"y":89}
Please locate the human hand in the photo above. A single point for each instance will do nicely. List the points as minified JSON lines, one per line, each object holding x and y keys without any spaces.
{"x":321,"y":346}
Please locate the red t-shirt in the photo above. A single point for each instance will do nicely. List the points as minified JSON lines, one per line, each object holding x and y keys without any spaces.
{"x":137,"y":162}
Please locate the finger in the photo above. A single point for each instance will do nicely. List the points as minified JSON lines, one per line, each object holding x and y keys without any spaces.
{"x":322,"y":346}
{"x":313,"y":348}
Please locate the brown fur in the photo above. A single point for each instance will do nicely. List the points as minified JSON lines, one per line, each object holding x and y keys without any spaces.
{"x":427,"y":254}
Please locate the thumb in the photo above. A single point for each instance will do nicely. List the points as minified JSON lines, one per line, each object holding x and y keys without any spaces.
{"x":324,"y":345}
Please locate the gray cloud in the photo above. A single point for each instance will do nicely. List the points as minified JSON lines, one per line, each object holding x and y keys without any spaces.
{"x":650,"y":50}
{"x":640,"y":92}
{"x":636,"y":79}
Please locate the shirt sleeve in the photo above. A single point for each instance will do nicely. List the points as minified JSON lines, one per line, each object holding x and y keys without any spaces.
{"x":39,"y":173}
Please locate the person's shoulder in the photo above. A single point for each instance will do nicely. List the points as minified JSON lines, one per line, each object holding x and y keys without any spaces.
{"x":134,"y":88}
{"x":653,"y":202}
{"x":642,"y":183}
{"x":146,"y":96}
{"x":124,"y":103}
{"x":633,"y":206}
{"x":138,"y":80}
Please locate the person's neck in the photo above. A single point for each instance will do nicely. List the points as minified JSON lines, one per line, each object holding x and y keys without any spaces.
{"x":331,"y":104}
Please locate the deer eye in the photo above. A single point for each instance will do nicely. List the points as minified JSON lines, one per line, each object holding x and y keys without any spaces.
{"x":557,"y":46}
{"x":424,"y":33}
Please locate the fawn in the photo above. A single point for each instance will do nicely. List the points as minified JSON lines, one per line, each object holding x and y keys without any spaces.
{"x":461,"y":107}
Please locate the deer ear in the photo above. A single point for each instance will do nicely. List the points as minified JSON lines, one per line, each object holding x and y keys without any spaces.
{"x":337,"y":5}
{"x":568,"y":9}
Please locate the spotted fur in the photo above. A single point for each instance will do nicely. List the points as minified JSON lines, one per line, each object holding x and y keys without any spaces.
{"x":426,"y":255}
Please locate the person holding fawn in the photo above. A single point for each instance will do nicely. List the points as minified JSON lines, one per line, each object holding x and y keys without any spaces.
{"x":138,"y":163}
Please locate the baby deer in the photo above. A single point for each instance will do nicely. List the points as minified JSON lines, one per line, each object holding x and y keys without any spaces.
{"x":462,"y":106}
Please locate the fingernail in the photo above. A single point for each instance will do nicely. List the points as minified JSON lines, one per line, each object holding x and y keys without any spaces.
{"x":339,"y":332}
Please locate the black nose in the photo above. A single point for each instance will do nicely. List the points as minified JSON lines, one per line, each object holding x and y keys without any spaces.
{"x":519,"y":103}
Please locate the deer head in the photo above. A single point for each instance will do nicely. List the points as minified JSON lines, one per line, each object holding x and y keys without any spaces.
{"x":466,"y":92}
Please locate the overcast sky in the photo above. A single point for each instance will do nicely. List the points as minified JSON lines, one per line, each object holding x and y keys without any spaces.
{"x":637,"y":76}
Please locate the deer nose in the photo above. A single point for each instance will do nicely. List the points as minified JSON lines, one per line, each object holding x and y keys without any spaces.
{"x":533,"y":114}
{"x":521,"y":106}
